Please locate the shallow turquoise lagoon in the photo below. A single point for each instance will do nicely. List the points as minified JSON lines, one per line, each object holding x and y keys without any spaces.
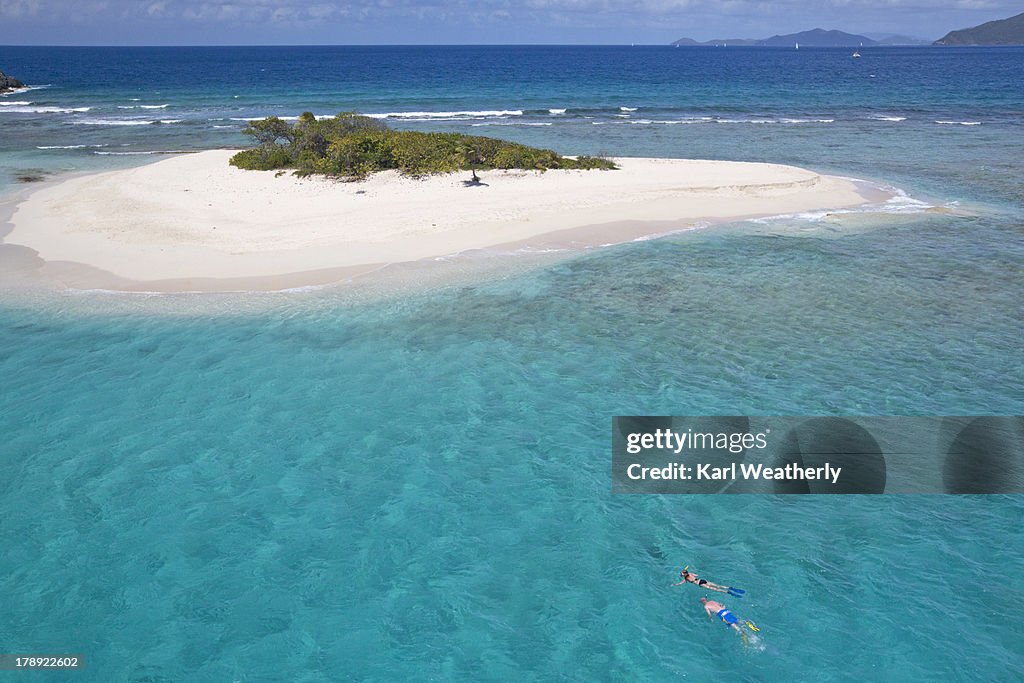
{"x":419,"y":487}
{"x":325,"y":486}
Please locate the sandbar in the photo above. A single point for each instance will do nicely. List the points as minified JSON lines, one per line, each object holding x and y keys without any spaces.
{"x":193,"y":222}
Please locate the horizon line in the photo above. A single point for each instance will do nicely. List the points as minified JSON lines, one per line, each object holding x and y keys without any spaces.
{"x":272,"y":45}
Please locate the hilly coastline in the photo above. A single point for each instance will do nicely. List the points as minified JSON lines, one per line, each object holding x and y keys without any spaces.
{"x":1002,"y":32}
{"x":1008,"y":31}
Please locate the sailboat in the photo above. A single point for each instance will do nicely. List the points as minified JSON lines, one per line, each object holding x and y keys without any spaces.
{"x":856,"y":54}
{"x":797,"y":46}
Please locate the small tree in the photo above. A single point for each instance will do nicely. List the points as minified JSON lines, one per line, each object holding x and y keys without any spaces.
{"x":308,"y":139}
{"x":474,"y":156}
{"x":269,"y":130}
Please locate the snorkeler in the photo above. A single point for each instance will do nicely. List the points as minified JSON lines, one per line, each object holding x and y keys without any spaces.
{"x":689,"y":577}
{"x":719,"y":610}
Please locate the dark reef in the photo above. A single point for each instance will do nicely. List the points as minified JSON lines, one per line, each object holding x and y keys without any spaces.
{"x":9,"y":83}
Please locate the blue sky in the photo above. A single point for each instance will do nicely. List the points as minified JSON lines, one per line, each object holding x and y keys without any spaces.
{"x":289,"y":22}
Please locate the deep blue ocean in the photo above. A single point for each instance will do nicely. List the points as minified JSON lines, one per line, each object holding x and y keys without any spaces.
{"x":324,"y":486}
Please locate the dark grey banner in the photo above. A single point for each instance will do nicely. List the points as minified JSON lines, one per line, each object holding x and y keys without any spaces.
{"x":792,"y":454}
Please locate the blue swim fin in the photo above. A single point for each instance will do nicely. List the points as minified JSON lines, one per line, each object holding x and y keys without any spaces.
{"x":736,"y":592}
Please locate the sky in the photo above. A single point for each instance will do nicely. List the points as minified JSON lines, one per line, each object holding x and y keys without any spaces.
{"x":340,"y":22}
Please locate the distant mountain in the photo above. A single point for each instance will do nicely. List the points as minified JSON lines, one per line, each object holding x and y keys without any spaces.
{"x":818,"y":38}
{"x":896,"y":39}
{"x":733,"y":41}
{"x":717,"y":42}
{"x":815,"y":38}
{"x":1002,"y":32}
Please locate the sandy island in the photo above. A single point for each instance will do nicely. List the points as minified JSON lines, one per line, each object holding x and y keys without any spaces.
{"x":192,"y":222}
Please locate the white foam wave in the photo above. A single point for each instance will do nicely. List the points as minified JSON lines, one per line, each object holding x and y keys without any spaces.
{"x":667,"y":233}
{"x":124,"y":122}
{"x":895,"y":119}
{"x":17,"y":91}
{"x":66,"y":146}
{"x":446,"y":115}
{"x":132,"y":154}
{"x":899,"y":203}
{"x":456,"y":118}
{"x":15,"y":103}
{"x":775,"y":121}
{"x":627,"y":108}
{"x":247,"y":119}
{"x":143,"y":106}
{"x":556,"y":111}
{"x":960,"y":123}
{"x":43,"y":110}
{"x":513,"y":123}
{"x":671,"y":122}
{"x":539,"y":250}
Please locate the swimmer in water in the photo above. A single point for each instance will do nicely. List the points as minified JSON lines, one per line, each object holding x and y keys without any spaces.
{"x":717,"y":609}
{"x":689,"y":577}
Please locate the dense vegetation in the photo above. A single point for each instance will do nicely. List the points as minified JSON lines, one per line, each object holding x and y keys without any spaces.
{"x":352,"y":147}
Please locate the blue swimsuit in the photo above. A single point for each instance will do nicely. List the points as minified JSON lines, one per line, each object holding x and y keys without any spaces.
{"x":728,"y":617}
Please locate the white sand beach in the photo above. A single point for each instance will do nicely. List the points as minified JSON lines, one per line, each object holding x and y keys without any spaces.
{"x":192,"y":222}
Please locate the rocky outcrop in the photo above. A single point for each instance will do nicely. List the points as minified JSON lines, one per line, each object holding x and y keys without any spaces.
{"x":9,"y":83}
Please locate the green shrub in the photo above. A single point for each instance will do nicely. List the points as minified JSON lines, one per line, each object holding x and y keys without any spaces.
{"x":588,"y":163}
{"x":266,"y":158}
{"x":353,"y":146}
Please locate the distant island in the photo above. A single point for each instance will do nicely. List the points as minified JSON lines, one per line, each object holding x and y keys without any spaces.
{"x":1002,"y":32}
{"x":896,"y":39}
{"x":351,"y":146}
{"x":8,"y":83}
{"x":817,"y":37}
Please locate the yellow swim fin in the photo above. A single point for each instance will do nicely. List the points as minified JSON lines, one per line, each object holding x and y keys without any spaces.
{"x":751,"y":626}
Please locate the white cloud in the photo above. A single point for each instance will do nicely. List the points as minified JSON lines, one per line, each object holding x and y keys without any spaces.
{"x":18,"y":8}
{"x":283,"y":20}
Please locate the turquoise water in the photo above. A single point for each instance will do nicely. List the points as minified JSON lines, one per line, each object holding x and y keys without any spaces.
{"x":316,"y":486}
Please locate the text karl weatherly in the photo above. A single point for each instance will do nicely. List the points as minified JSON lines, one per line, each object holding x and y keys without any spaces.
{"x":678,"y":471}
